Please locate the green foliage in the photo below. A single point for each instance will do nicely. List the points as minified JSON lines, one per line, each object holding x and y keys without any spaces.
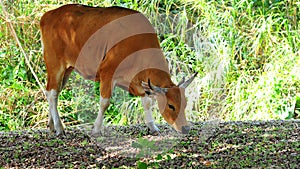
{"x":246,"y":53}
{"x":145,"y":147}
{"x":142,"y":165}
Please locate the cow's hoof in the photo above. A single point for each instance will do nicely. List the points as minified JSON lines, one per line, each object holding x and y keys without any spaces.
{"x":60,"y":133}
{"x":154,"y":133}
{"x":153,"y":129}
{"x":96,"y":133}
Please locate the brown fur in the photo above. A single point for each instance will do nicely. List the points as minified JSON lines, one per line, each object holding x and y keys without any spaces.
{"x":65,"y":31}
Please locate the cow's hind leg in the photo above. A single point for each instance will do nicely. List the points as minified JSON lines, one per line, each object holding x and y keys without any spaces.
{"x":54,"y":86}
{"x":54,"y":122}
{"x":66,"y":77}
{"x":147,"y":103}
{"x":104,"y":103}
{"x":105,"y":91}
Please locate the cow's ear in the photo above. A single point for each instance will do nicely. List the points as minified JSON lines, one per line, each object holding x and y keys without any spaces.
{"x":185,"y":84}
{"x":152,"y":89}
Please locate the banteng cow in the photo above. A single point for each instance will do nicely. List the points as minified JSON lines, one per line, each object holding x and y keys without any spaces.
{"x":116,"y":46}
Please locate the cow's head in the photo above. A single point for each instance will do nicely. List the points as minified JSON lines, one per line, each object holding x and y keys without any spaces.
{"x":172,"y":103}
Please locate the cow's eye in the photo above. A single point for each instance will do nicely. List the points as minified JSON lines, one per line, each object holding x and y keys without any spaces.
{"x":171,"y":107}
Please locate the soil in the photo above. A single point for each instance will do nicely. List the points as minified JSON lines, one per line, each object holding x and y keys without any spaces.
{"x":213,"y":144}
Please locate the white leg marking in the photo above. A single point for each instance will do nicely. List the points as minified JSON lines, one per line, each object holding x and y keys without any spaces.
{"x":147,"y":104}
{"x":104,"y":103}
{"x":54,"y":119}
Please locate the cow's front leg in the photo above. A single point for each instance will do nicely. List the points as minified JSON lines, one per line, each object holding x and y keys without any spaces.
{"x":147,"y":104}
{"x":104,"y":103}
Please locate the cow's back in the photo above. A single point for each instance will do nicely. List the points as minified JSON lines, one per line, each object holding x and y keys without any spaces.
{"x":67,"y":31}
{"x":73,"y":24}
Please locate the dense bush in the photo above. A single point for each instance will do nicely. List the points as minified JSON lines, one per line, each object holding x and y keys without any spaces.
{"x":246,"y":53}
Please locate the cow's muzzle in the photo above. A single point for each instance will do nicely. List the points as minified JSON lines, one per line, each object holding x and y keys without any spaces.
{"x":185,"y":129}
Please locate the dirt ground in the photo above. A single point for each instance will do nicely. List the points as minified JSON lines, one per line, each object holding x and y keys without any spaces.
{"x":212,"y":144}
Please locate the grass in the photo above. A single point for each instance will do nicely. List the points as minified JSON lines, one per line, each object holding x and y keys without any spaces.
{"x":246,"y":53}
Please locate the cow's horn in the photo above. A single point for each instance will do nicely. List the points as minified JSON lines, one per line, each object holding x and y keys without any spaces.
{"x":157,"y":89}
{"x":148,"y":86}
{"x":181,"y":82}
{"x":185,"y":84}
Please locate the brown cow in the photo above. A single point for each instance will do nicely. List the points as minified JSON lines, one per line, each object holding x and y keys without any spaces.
{"x":116,"y":46}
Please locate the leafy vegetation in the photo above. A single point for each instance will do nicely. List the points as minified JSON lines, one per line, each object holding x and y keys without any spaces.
{"x":246,"y":53}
